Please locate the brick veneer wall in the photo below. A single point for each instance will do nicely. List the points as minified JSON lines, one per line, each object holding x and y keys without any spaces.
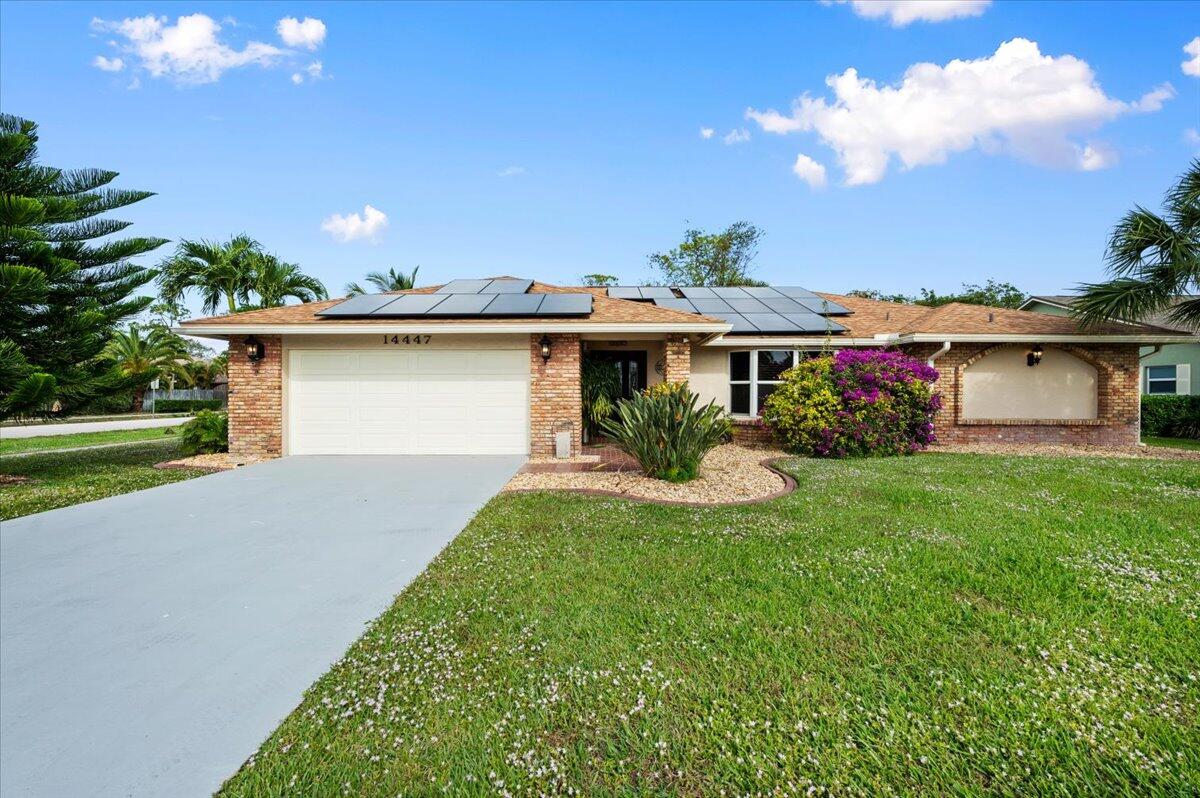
{"x":256,"y":399}
{"x":1118,"y":400}
{"x":751,"y":432}
{"x":677,"y":362}
{"x":554,"y":393}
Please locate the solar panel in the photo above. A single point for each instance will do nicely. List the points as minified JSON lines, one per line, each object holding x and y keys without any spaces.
{"x":625,"y":292}
{"x":657,"y":292}
{"x":761,"y":291}
{"x":565,"y":305}
{"x":730,"y":292}
{"x":747,"y":305}
{"x":676,"y":304}
{"x":818,"y":305}
{"x":794,"y":291}
{"x":712,"y":305}
{"x":771,"y":323}
{"x":739,"y":322}
{"x":360,"y":305}
{"x":462,"y":305}
{"x":515,"y":305}
{"x":464,"y":286}
{"x":410,"y":305}
{"x":697,"y":292}
{"x":781,"y":304}
{"x":507,"y":287}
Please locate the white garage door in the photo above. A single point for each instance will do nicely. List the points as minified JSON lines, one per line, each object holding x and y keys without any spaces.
{"x":408,"y":402}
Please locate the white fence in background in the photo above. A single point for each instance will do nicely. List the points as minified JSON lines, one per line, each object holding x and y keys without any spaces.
{"x":183,"y":393}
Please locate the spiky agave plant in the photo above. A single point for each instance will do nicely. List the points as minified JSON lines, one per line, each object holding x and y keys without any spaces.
{"x":665,"y":430}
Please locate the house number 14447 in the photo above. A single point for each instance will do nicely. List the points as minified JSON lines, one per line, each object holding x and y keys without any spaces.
{"x":406,"y":340}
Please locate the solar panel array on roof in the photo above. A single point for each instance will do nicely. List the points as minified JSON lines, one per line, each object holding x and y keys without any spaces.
{"x":464,"y":299}
{"x":750,"y":309}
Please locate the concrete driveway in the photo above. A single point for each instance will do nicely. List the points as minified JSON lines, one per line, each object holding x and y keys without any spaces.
{"x":150,"y":642}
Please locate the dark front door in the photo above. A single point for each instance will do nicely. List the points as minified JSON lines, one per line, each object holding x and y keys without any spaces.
{"x":632,"y":366}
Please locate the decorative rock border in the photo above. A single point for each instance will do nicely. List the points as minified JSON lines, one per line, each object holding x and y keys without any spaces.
{"x":789,"y":485}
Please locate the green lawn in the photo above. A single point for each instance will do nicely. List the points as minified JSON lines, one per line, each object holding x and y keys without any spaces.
{"x":1174,"y":443}
{"x":59,"y":479}
{"x":47,"y":442}
{"x":945,"y":624}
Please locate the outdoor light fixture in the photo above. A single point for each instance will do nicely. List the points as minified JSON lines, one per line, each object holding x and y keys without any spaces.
{"x":545,"y":345}
{"x":1035,"y":356}
{"x":254,"y":349}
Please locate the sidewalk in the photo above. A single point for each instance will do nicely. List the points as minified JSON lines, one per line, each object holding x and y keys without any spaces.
{"x":38,"y":430}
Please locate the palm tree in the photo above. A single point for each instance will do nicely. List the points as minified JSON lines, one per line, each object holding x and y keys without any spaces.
{"x":144,"y":356}
{"x":1153,"y":259}
{"x":274,"y":281}
{"x":389,"y":281}
{"x":221,"y":273}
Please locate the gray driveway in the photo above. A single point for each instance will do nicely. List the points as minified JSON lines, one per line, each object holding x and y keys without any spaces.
{"x":149,"y":642}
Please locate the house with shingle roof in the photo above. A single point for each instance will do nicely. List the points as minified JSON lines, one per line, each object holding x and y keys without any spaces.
{"x":492,"y":365}
{"x":1165,"y":368}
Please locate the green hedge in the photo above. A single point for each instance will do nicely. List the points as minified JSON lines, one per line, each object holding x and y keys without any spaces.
{"x":186,"y":405}
{"x":1169,"y":416}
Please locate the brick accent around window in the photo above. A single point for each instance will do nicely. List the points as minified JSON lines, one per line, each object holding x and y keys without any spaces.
{"x":256,"y":399}
{"x":555,"y":402}
{"x":1118,"y":402}
{"x":677,"y":363}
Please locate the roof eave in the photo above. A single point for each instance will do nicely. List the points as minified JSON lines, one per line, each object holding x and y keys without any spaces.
{"x":1048,"y":338}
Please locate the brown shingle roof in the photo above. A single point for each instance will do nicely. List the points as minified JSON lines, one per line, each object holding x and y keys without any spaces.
{"x":605,"y":310}
{"x":873,"y":317}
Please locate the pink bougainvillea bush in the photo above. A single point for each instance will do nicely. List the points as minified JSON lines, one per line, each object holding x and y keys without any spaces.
{"x":855,"y":403}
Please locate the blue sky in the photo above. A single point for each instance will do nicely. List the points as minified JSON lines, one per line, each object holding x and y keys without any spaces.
{"x":554,"y":140}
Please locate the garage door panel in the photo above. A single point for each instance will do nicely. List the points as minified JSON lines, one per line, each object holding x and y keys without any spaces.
{"x":402,"y":402}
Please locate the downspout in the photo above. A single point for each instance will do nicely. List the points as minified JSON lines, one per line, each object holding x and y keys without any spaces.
{"x":945,"y":348}
{"x":1154,"y":350}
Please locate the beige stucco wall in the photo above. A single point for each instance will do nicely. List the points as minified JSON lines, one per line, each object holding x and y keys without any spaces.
{"x":710,"y":374}
{"x":1002,"y":386}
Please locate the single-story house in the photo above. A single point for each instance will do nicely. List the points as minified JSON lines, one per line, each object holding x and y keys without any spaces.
{"x":493,"y":365}
{"x":1166,"y":368}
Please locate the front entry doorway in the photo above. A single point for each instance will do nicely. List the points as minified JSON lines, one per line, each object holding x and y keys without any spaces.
{"x":631,"y":364}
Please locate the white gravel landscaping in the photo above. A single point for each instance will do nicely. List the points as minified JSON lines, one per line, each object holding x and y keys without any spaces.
{"x":729,"y":473}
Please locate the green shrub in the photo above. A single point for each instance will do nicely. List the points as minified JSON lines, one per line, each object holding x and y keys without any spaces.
{"x":600,"y":385}
{"x":207,"y":433}
{"x":855,"y":403}
{"x":1170,"y":416}
{"x":664,"y":430}
{"x":186,"y":405}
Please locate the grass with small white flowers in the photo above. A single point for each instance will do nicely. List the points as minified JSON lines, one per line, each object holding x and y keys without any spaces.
{"x":942,"y":624}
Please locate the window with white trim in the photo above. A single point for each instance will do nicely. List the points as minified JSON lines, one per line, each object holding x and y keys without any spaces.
{"x":755,"y":373}
{"x":1162,"y":379}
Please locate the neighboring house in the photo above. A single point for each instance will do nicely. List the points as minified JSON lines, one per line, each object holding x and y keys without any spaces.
{"x":1166,"y":369}
{"x":493,"y":365}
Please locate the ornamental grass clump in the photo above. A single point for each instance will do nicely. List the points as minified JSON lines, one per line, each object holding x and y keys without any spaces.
{"x":855,"y":404}
{"x":664,"y":430}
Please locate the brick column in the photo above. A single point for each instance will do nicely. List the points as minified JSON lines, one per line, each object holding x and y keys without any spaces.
{"x":554,"y":393}
{"x":677,"y":362}
{"x":256,"y":399}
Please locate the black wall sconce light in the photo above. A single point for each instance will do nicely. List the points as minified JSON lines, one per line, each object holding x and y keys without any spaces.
{"x":1035,"y":356}
{"x":254,"y":349}
{"x":545,"y":345}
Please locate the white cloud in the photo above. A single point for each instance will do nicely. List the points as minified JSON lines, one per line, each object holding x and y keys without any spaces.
{"x":108,"y":64}
{"x":1016,"y":101}
{"x":134,"y":84}
{"x":1095,"y":156}
{"x":905,"y":12}
{"x":706,"y":132}
{"x":1192,"y":65}
{"x":188,"y":51}
{"x":309,"y":33}
{"x":738,"y":136}
{"x":353,"y":227}
{"x":1191,"y":136}
{"x":511,"y":171}
{"x":313,"y":70}
{"x":809,"y":171}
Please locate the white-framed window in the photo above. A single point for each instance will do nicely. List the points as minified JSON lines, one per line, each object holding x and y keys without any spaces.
{"x":1166,"y":379}
{"x":754,"y":374}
